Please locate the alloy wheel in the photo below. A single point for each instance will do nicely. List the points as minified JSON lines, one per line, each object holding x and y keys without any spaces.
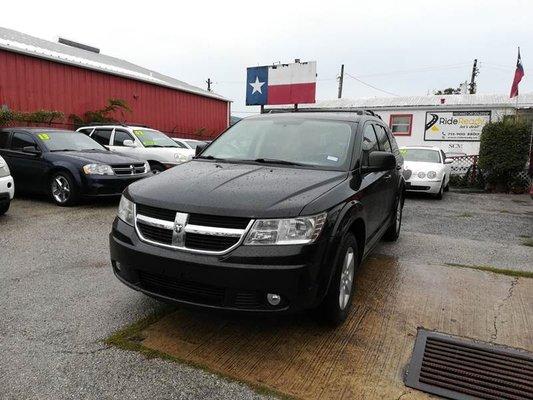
{"x":347,"y":274}
{"x":60,"y":189}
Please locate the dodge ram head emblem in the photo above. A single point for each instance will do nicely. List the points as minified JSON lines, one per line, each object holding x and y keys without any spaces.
{"x":178,"y":234}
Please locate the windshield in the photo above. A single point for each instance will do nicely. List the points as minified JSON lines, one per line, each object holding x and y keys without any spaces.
{"x":68,"y":141}
{"x":423,"y":155}
{"x":152,"y":138}
{"x":290,"y":140}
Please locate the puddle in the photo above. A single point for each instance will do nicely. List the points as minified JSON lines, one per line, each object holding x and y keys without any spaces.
{"x":366,"y":357}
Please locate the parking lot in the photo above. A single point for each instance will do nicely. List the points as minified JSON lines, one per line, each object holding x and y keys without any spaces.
{"x":60,"y":301}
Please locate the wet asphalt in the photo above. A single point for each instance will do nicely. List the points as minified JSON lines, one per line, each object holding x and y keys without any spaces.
{"x":59,"y":298}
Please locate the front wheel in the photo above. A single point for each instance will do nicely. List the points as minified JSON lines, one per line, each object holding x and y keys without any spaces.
{"x":157,"y":168}
{"x":393,"y":232}
{"x":438,"y":196}
{"x":337,"y":303}
{"x":63,"y":189}
{"x":4,"y":208}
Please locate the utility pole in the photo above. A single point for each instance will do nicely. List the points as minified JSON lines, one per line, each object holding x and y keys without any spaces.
{"x":475,"y":72}
{"x":341,"y":80}
{"x":209,"y":82}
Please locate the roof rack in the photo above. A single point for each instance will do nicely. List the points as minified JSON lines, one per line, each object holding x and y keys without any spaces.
{"x":358,"y":111}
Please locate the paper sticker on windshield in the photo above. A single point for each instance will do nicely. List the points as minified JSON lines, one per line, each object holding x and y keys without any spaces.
{"x":148,"y":142}
{"x":333,"y":158}
{"x":43,"y":136}
{"x":138,"y":133}
{"x":403,"y":152}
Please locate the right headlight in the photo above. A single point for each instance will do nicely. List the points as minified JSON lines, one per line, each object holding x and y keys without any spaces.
{"x":4,"y":168}
{"x":126,"y":210}
{"x":421,"y":174}
{"x":98,"y":169}
{"x":432,"y":175}
{"x":299,"y":230}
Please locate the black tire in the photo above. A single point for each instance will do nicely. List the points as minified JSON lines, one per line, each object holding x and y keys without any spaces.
{"x":393,"y":232}
{"x":447,"y":187}
{"x":438,"y":196}
{"x":63,"y":190}
{"x":157,"y":168}
{"x":4,"y":208}
{"x":330,"y":311}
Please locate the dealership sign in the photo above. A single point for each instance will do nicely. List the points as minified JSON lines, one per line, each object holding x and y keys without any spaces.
{"x":293,"y":83}
{"x":452,"y":126}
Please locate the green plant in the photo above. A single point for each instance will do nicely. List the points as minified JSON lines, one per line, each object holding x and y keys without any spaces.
{"x":103,"y":115}
{"x":40,"y":116}
{"x":503,"y":152}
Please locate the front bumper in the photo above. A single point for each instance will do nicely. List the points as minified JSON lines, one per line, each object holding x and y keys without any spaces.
{"x":423,"y":186}
{"x":7,"y":189}
{"x":237,"y":281}
{"x":109,"y":185}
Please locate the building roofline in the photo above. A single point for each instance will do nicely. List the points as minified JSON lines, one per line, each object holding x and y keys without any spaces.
{"x":78,"y":60}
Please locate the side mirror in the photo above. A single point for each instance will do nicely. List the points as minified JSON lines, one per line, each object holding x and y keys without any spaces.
{"x":129,"y":143}
{"x":448,"y":161}
{"x":380,"y":161}
{"x":201,"y":147}
{"x":31,"y":150}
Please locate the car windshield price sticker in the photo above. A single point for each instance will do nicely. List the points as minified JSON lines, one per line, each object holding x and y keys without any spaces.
{"x":43,"y":136}
{"x":138,"y":133}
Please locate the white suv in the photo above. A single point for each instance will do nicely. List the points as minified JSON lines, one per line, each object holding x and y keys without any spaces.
{"x":7,"y":187}
{"x":140,"y":142}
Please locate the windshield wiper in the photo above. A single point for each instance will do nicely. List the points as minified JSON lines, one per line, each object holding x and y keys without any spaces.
{"x":209,"y":158}
{"x":64,"y":150}
{"x":282,"y":162}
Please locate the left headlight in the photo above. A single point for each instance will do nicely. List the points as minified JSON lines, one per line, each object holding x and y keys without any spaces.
{"x":98,"y":169}
{"x":431,"y":175}
{"x":4,"y":168}
{"x":126,"y":210}
{"x":181,"y":157}
{"x":300,"y":230}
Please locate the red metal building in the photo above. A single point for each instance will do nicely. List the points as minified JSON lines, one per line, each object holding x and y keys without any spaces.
{"x":37,"y":74}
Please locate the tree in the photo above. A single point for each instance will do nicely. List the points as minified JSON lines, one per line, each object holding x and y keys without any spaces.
{"x":448,"y":91}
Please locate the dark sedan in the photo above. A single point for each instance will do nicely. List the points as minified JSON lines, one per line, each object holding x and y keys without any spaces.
{"x":66,"y":165}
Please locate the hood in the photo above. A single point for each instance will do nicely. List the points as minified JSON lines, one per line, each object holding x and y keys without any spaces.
{"x":168,"y":153}
{"x":417,"y":166}
{"x":95,"y":156}
{"x":240,"y":190}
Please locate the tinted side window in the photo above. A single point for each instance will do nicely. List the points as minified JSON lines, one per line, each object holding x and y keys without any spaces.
{"x":102,"y":136}
{"x":383,"y":140}
{"x":3,"y":139}
{"x":180,"y":144}
{"x":20,"y":140}
{"x":120,"y":136}
{"x":86,"y":131}
{"x":370,"y":142}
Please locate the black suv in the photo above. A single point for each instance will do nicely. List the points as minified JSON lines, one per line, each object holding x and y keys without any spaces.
{"x":66,"y":165}
{"x":273,"y":216}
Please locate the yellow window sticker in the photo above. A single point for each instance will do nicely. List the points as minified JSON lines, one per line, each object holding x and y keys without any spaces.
{"x":403,"y":152}
{"x":148,"y":142}
{"x":43,"y":136}
{"x":138,"y":133}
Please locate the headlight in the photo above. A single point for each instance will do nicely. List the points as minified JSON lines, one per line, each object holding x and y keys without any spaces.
{"x":125,"y":210}
{"x":300,"y":230}
{"x":421,"y":174}
{"x":4,"y":168}
{"x":181,"y":157}
{"x":98,"y":169}
{"x":432,"y":174}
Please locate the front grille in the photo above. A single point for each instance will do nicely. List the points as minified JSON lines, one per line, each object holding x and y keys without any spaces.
{"x":218,"y":221}
{"x":182,"y":290}
{"x":407,"y":174}
{"x":155,"y":234}
{"x":208,"y":242}
{"x":418,"y":187}
{"x":128,"y":169}
{"x":155,"y":212}
{"x":462,"y":368}
{"x":201,"y":293}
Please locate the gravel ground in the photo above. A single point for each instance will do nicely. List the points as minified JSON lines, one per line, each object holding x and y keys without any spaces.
{"x":60,"y":299}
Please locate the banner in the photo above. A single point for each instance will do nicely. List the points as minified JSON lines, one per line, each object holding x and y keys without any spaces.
{"x":455,"y":126}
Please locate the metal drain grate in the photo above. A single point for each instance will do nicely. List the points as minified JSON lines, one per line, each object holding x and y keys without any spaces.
{"x":459,"y":368}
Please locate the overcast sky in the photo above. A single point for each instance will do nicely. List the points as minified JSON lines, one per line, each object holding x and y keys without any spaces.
{"x":401,"y":47}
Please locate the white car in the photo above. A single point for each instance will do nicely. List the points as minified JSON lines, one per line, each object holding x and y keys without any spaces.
{"x":7,"y":187}
{"x":189,"y":143}
{"x":426,"y":170}
{"x":140,"y":142}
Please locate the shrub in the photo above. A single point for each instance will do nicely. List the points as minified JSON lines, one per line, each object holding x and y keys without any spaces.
{"x":503,"y":152}
{"x":39,"y":117}
{"x":103,"y":115}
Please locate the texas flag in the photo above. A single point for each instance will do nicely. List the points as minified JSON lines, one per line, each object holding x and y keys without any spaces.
{"x":281,"y":84}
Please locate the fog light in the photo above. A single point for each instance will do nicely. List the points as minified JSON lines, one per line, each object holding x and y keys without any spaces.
{"x":273,"y":299}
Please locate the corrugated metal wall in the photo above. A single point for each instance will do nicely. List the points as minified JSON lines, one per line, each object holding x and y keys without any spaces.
{"x":30,"y":84}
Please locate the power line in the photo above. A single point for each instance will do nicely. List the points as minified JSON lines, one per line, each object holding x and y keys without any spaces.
{"x":369,"y":85}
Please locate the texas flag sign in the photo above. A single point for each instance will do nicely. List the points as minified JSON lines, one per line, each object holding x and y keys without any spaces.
{"x":281,"y":84}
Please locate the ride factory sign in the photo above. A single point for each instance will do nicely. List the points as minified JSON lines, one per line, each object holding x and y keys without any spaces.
{"x":453,"y":126}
